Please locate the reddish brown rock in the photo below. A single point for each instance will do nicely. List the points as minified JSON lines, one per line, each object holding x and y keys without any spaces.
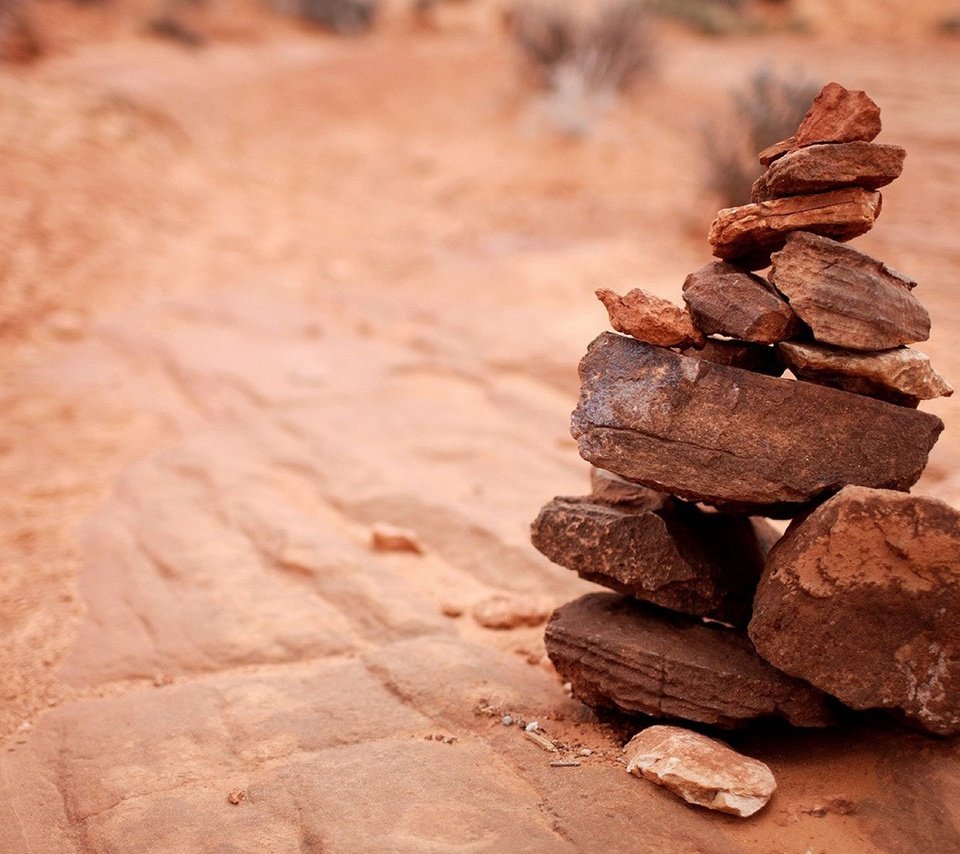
{"x":848,"y":299}
{"x":683,"y":558}
{"x":726,"y":300}
{"x":902,"y":376}
{"x":758,"y":358}
{"x":618,"y":653}
{"x":837,"y":115}
{"x":609,"y":488}
{"x":701,"y":770}
{"x":862,"y":599}
{"x":737,"y":439}
{"x":827,"y":167}
{"x":748,"y":234}
{"x":649,"y":318}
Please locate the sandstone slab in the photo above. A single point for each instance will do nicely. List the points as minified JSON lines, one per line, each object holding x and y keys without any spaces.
{"x":725,"y":300}
{"x":649,"y":318}
{"x":848,"y":299}
{"x":837,"y":115}
{"x":749,"y":233}
{"x":737,"y":439}
{"x":862,"y":599}
{"x":618,"y":653}
{"x":683,"y":558}
{"x":759,"y":358}
{"x":827,"y":167}
{"x":700,"y":770}
{"x":901,"y":376}
{"x":609,"y":488}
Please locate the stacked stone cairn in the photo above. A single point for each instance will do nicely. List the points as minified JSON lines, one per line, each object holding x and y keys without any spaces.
{"x":694,"y":435}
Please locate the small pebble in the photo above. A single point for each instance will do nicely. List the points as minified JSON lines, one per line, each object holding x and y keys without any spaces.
{"x":533,"y":726}
{"x":506,"y":720}
{"x":586,"y":751}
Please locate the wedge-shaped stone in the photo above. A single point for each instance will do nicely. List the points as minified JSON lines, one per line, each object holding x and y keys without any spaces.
{"x":618,"y":653}
{"x":748,"y":234}
{"x":609,"y":488}
{"x":737,"y":439}
{"x":902,"y":376}
{"x":862,"y":598}
{"x":701,"y":770}
{"x":837,"y":115}
{"x":726,"y":300}
{"x":650,"y":318}
{"x":828,"y":167}
{"x":758,"y":358}
{"x":683,"y":558}
{"x":848,"y":299}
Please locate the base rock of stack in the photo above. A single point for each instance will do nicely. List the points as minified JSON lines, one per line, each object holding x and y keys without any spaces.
{"x":848,"y":299}
{"x":683,"y":558}
{"x":621,"y":654}
{"x":748,"y":234}
{"x":738,"y":440}
{"x":902,"y":376}
{"x":862,"y":599}
{"x":827,"y":167}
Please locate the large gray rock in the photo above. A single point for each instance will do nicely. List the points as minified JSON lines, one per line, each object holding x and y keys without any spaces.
{"x":862,"y":599}
{"x":618,"y":653}
{"x":738,"y":439}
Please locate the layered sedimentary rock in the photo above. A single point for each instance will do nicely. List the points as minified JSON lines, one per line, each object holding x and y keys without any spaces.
{"x":621,"y":654}
{"x":683,"y":558}
{"x":732,"y":438}
{"x":649,"y":318}
{"x":848,"y":299}
{"x":862,"y":599}
{"x":725,"y":300}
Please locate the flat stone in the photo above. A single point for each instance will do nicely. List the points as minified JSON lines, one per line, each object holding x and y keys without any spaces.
{"x":683,"y":558}
{"x":700,"y":770}
{"x":725,"y":300}
{"x":737,"y":439}
{"x":609,"y":488}
{"x":848,"y":299}
{"x":862,"y":599}
{"x":837,"y":115}
{"x":618,"y":653}
{"x":748,"y":234}
{"x":902,"y":376}
{"x":649,"y":318}
{"x":759,"y":358}
{"x":503,"y":611}
{"x":818,"y":168}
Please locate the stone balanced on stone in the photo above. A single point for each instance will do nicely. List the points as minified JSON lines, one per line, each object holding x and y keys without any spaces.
{"x":716,"y":620}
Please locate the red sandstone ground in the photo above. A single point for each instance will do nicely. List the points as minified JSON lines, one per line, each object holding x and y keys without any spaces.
{"x":261,"y":296}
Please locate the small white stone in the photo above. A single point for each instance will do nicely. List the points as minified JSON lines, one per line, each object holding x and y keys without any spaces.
{"x":533,"y":726}
{"x":506,"y":720}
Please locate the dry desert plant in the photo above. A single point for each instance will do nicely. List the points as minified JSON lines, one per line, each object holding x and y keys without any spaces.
{"x":766,"y":110}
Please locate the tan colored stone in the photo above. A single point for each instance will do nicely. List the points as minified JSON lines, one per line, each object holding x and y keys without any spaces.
{"x":701,"y":770}
{"x":649,"y":318}
{"x":748,"y":234}
{"x":510,"y":611}
{"x":390,"y":538}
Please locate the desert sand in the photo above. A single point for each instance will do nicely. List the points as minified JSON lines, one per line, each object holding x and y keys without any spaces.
{"x":261,"y":296}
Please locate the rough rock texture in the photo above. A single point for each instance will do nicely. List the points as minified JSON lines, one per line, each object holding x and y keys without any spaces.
{"x":748,"y":234}
{"x":609,"y":488}
{"x":758,"y":358}
{"x":826,"y":167}
{"x":619,"y":653}
{"x":837,"y":115}
{"x":862,"y":599}
{"x":700,"y":770}
{"x":726,"y":300}
{"x":650,"y":318}
{"x":683,"y":558}
{"x":901,"y":376}
{"x":730,"y":437}
{"x":848,"y":299}
{"x":510,"y":611}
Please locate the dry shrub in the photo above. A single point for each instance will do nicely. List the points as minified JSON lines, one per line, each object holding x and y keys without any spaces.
{"x":768,"y":109}
{"x":713,"y":17}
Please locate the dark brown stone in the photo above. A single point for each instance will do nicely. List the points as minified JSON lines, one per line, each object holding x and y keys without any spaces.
{"x":748,"y":234}
{"x":726,"y":300}
{"x":737,"y":439}
{"x":837,"y":115}
{"x":683,"y":558}
{"x":862,"y":598}
{"x":649,"y":318}
{"x":609,"y":488}
{"x":758,"y":358}
{"x":828,"y":167}
{"x":902,"y":376}
{"x":848,"y":299}
{"x":621,"y":654}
